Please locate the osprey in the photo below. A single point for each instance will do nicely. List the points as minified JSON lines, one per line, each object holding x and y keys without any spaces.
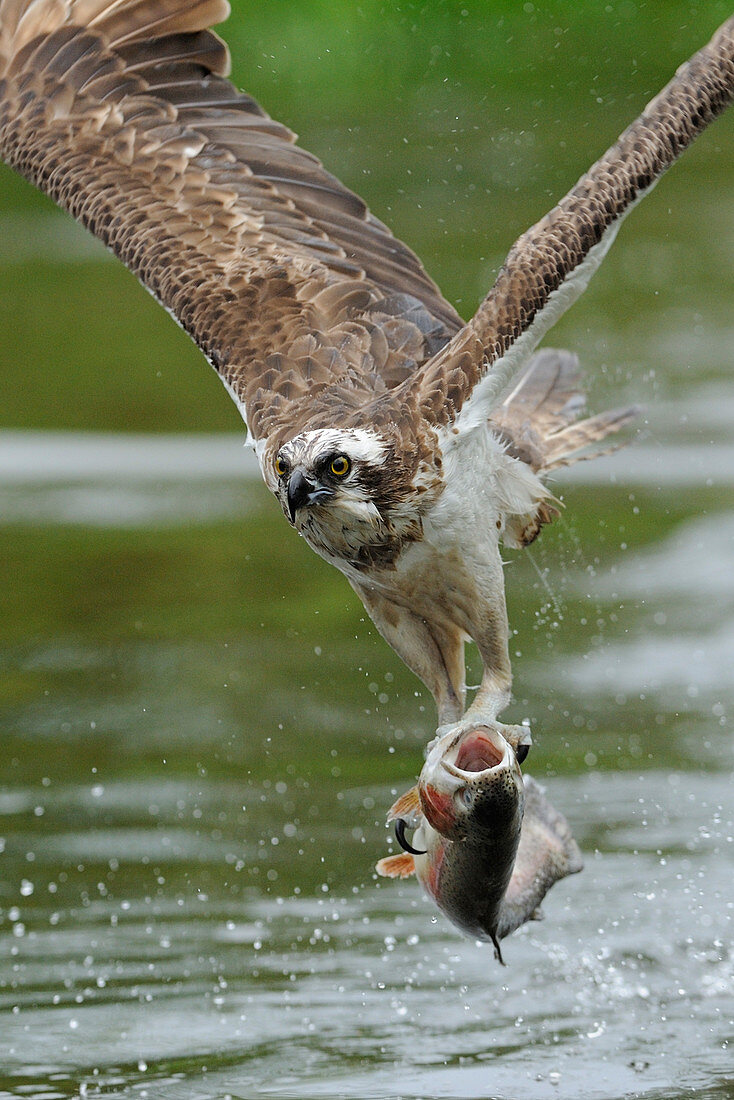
{"x":402,"y":443}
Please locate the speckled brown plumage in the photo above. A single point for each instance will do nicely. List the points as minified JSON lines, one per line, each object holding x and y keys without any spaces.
{"x":122,"y":114}
{"x":301,"y":299}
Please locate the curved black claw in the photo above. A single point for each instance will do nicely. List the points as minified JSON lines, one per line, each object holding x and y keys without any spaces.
{"x":404,"y":844}
{"x":522,"y":752}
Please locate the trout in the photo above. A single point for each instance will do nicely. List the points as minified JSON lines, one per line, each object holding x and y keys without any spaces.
{"x":487,"y":844}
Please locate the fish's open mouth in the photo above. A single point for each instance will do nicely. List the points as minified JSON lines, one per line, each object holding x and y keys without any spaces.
{"x":479,"y":750}
{"x":472,"y":759}
{"x":477,"y":753}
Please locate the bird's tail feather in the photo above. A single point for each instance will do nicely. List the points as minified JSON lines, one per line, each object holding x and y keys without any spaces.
{"x":538,"y":423}
{"x":538,"y":419}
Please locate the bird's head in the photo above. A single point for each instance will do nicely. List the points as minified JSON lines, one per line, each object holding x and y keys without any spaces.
{"x":331,"y":471}
{"x":357,"y":495}
{"x":347,"y":493}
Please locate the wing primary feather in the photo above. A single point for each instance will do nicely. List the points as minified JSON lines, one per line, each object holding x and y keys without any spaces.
{"x":119,"y":110}
{"x":550,"y":265}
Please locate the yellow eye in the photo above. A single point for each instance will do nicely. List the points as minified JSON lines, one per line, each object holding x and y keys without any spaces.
{"x":280,"y":467}
{"x":340,"y":466}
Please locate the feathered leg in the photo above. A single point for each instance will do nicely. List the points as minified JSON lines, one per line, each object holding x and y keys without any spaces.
{"x":433,"y":651}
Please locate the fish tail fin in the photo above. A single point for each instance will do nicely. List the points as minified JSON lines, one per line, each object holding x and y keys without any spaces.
{"x":498,"y":951}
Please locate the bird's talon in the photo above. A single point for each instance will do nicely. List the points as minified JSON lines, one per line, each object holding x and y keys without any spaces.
{"x":403,"y":841}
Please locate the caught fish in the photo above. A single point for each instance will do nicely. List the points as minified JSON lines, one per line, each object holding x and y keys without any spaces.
{"x":487,"y":844}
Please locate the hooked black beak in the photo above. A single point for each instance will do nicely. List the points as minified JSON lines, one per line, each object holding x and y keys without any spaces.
{"x":299,"y":491}
{"x":400,"y":835}
{"x":302,"y":491}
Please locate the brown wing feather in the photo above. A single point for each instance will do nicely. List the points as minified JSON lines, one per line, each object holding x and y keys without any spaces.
{"x":550,"y":265}
{"x":119,"y":110}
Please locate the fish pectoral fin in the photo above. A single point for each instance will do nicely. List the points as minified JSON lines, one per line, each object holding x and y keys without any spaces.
{"x":408,"y":806}
{"x":399,"y":866}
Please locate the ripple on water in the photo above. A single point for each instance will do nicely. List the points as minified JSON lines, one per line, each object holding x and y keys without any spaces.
{"x":327,"y":996}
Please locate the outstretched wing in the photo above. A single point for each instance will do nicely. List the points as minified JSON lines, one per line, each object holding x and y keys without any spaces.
{"x":120,"y":110}
{"x":551,"y":264}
